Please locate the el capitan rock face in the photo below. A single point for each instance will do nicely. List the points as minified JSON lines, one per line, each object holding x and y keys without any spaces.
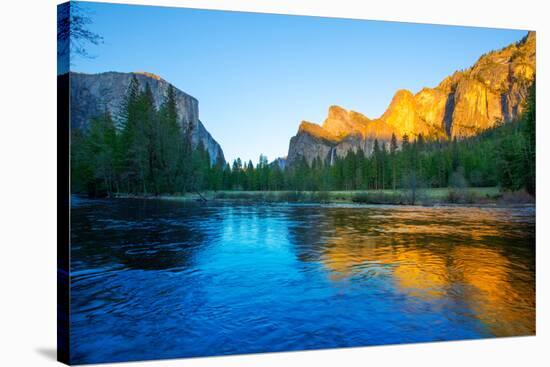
{"x":462,"y":105}
{"x":91,"y":93}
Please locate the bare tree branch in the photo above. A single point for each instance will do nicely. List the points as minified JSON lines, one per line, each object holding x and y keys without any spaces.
{"x":73,"y":35}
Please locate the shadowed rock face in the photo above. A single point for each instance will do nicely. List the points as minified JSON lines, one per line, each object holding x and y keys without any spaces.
{"x":310,"y":146}
{"x":92,"y":93}
{"x":464,"y":104}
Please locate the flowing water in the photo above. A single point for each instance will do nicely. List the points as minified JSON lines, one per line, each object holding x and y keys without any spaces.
{"x":160,"y":279}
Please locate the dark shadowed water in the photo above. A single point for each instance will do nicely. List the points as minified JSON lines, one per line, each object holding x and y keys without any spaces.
{"x":160,"y":279}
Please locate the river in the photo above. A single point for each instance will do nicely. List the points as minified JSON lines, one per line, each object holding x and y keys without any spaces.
{"x":155,"y":279}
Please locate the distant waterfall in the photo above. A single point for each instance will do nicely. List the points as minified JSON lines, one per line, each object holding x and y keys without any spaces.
{"x":332,"y":155}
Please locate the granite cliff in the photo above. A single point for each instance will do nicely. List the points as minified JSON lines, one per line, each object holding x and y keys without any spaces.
{"x":464,"y":104}
{"x":90,"y":94}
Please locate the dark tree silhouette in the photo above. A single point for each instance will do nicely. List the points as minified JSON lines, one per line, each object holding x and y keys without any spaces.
{"x":73,"y":35}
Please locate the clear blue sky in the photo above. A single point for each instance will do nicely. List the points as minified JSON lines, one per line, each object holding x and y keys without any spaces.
{"x":256,"y":76}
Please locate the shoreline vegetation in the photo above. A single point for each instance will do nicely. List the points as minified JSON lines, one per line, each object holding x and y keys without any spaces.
{"x":145,"y":152}
{"x":492,"y":196}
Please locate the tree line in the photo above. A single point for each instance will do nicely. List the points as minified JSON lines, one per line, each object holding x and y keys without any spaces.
{"x":501,"y":156}
{"x":143,"y":150}
{"x":148,"y":152}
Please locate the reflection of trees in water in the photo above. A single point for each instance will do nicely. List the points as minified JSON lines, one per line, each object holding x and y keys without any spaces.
{"x":475,"y":257}
{"x":140,"y":234}
{"x":481,"y":261}
{"x":308,"y":230}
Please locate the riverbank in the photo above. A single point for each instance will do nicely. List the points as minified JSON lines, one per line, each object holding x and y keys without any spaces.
{"x":426,"y":197}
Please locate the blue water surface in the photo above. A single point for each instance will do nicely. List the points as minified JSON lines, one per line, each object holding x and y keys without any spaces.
{"x":155,"y":279}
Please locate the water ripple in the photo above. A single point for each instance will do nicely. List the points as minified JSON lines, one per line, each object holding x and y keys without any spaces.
{"x":161,"y":279}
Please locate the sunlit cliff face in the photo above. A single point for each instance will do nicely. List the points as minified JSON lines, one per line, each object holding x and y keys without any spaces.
{"x":422,"y":267}
{"x":150,"y":75}
{"x":462,"y":105}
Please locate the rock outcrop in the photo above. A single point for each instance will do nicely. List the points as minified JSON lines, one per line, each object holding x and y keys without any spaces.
{"x":92,"y":93}
{"x":464,"y":104}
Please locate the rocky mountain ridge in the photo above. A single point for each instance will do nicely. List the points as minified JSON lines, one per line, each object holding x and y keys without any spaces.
{"x":90,"y":94}
{"x":462,"y":105}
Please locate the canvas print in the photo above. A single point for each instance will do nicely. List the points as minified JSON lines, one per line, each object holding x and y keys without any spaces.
{"x":235,"y":182}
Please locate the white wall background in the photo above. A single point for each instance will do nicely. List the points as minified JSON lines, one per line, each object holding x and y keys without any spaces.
{"x":28,"y":182}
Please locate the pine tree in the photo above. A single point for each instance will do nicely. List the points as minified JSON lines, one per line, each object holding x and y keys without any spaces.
{"x":529,"y":133}
{"x":405,"y":143}
{"x":95,"y":157}
{"x":150,"y":138}
{"x":377,"y":164}
{"x":236,"y":176}
{"x":393,"y":152}
{"x":128,"y":125}
{"x":187,"y":160}
{"x":170,"y":144}
{"x":383,"y":164}
{"x":360,"y":158}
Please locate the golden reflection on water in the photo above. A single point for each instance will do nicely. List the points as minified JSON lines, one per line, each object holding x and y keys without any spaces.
{"x":446,"y":256}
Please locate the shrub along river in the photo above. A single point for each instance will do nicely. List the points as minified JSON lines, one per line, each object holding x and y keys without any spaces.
{"x":161,"y":279}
